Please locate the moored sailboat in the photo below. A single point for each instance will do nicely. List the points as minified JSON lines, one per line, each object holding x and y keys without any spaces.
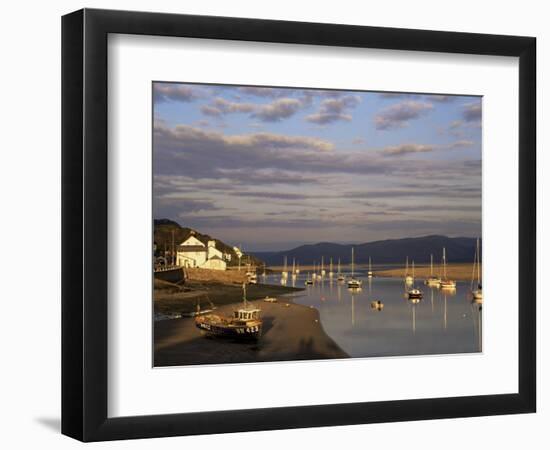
{"x":414,"y":292}
{"x":341,"y":277}
{"x":477,"y":293}
{"x":445,"y":283}
{"x":353,"y":283}
{"x":369,"y":273}
{"x":432,"y":280}
{"x":408,"y":278}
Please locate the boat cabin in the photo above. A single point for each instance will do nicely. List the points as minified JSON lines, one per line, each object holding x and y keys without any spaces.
{"x":247,"y":314}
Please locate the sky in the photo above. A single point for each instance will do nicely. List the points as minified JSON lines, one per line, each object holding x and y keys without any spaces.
{"x":269,"y":169}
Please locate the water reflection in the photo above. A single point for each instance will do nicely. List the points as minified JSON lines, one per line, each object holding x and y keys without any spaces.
{"x":446,"y":321}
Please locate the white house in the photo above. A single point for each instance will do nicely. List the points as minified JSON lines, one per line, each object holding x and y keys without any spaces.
{"x":194,"y":253}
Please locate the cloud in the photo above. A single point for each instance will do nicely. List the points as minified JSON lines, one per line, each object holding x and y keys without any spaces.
{"x":263,"y":92}
{"x":279,"y":109}
{"x":201,"y":154}
{"x":403,"y":149}
{"x":464,"y":143}
{"x":472,"y":112}
{"x":398,"y":150}
{"x":399,"y":115}
{"x":441,"y":98}
{"x":358,"y":141}
{"x":163,"y":92}
{"x":221,"y":107}
{"x":273,"y":195}
{"x":455,"y":124}
{"x":428,"y":97}
{"x":166,"y":205}
{"x":334,"y":109}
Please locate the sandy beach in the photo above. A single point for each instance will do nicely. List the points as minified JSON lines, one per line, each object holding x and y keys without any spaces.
{"x":457,"y":271}
{"x":290,"y":332}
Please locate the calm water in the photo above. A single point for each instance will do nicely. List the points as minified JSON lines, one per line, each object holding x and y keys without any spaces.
{"x":442,"y":322}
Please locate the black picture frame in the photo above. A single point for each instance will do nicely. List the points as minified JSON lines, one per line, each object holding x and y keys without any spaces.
{"x":84,"y":224}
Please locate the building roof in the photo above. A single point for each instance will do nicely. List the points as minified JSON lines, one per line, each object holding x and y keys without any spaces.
{"x":216,"y":257}
{"x":191,"y":248}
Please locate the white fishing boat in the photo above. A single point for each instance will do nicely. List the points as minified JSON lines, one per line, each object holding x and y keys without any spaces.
{"x":245,"y":323}
{"x":369,"y":273}
{"x":353,"y":283}
{"x":408,"y":278}
{"x":475,"y":286}
{"x":445,"y":282}
{"x":341,"y":277}
{"x":414,"y":292}
{"x":432,"y":280}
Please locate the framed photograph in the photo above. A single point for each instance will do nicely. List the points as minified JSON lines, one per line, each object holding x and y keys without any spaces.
{"x":273,"y":224}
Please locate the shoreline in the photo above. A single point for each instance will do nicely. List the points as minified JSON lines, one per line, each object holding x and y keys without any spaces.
{"x":290,"y":332}
{"x":456,"y":271}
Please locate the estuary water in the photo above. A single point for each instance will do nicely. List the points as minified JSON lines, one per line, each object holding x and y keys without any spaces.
{"x":442,"y":322}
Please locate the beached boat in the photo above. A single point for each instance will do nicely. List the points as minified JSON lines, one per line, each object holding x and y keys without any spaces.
{"x":270,"y":299}
{"x":475,"y":286}
{"x":408,"y":278}
{"x":341,"y":277}
{"x":445,"y":282}
{"x":369,"y":273}
{"x":245,"y":324}
{"x":414,"y":293}
{"x":353,"y":283}
{"x":432,"y":280}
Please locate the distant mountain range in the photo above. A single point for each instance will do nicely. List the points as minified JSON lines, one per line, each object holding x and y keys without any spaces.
{"x":459,"y":249}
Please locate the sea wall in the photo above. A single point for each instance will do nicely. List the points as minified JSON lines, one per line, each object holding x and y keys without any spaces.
{"x":219,"y":276}
{"x":172,"y":276}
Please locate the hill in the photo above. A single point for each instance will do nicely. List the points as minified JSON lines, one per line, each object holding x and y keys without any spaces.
{"x":163,"y":229}
{"x":390,"y":251}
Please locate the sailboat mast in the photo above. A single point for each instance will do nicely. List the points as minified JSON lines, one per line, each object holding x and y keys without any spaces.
{"x":478,"y":263}
{"x":444,"y":265}
{"x":370,"y":265}
{"x":352,"y":263}
{"x":431,"y":265}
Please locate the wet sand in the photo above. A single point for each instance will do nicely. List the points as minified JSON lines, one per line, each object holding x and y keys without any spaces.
{"x":291,"y":332}
{"x":457,"y":271}
{"x":174,"y":299}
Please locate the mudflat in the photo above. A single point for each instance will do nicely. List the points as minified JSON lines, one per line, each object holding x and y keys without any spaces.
{"x":290,"y":332}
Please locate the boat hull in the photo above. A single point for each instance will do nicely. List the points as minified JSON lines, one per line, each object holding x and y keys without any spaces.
{"x":244,"y":332}
{"x":447,"y":285}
